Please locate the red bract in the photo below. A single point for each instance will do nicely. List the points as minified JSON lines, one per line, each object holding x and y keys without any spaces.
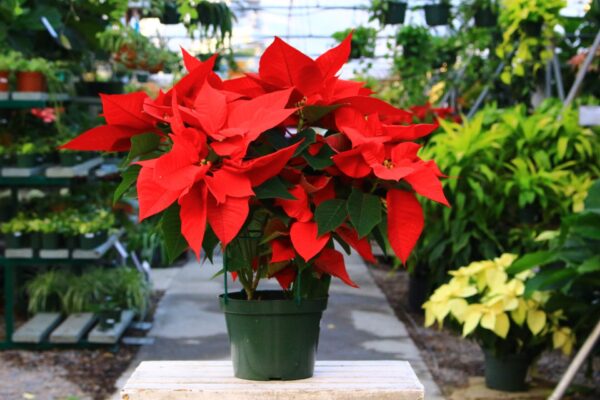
{"x":242,"y":162}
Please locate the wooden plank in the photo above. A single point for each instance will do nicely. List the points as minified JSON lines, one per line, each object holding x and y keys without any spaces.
{"x":54,"y":253}
{"x":333,"y":380}
{"x":111,"y":336}
{"x":16,"y":172}
{"x":73,"y":328}
{"x":18,"y":253}
{"x":37,"y":329}
{"x":78,"y":170}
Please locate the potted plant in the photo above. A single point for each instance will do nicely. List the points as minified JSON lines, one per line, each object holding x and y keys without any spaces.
{"x":254,"y":173}
{"x":485,"y":13}
{"x":93,"y":229}
{"x":16,"y":232}
{"x":388,"y":12}
{"x":437,"y":13}
{"x":170,"y":14}
{"x":364,"y":41}
{"x":51,"y":229}
{"x":415,"y":42}
{"x":489,"y":304}
{"x":8,"y":61}
{"x":27,"y":155}
{"x":34,"y":74}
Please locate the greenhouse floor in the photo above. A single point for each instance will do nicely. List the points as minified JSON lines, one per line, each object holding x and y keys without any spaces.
{"x":359,"y":324}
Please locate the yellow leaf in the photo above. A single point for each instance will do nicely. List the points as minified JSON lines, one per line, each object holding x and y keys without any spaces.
{"x":558,"y":339}
{"x":502,"y":325}
{"x":536,"y":320}
{"x":519,"y":314}
{"x":488,"y":321}
{"x":458,"y":308}
{"x":471,"y":322}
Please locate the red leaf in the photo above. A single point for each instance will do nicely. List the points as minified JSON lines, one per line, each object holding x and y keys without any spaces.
{"x":210,"y":108}
{"x":244,"y":85}
{"x":225,"y":184}
{"x":427,"y":183}
{"x":263,"y":168}
{"x":299,"y":208}
{"x":409,"y":132}
{"x":192,"y":82}
{"x":193,"y":217}
{"x":189,"y":61}
{"x":405,"y":222}
{"x":285,"y":277}
{"x":305,"y":239}
{"x":226,"y":219}
{"x":333,"y":59}
{"x":362,"y":246}
{"x":352,"y":163}
{"x":126,"y":110}
{"x":152,"y":197}
{"x":283,"y":66}
{"x":370,"y":105}
{"x":282,"y":251}
{"x":103,"y":138}
{"x":331,"y":262}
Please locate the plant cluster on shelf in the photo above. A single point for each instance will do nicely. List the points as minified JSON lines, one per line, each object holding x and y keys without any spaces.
{"x":69,"y":228}
{"x":93,"y":290}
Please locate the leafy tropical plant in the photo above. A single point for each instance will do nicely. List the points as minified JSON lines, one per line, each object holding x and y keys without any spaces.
{"x":214,"y":18}
{"x":10,"y":60}
{"x":528,"y":31}
{"x":488,"y":303}
{"x":569,"y":266}
{"x":257,"y":174}
{"x":512,"y":176}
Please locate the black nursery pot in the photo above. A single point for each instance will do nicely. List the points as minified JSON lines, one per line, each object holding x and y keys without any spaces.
{"x":109,"y":318}
{"x":70,"y":158}
{"x":170,"y":15}
{"x":485,"y":18}
{"x":273,"y":338}
{"x":396,"y":12}
{"x":90,"y":241}
{"x":507,"y":372}
{"x":17,"y":240}
{"x":51,"y":241}
{"x":27,"y":160}
{"x":437,"y":14}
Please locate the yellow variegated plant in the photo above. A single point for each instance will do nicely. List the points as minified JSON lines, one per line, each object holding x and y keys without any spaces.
{"x":490,"y":305}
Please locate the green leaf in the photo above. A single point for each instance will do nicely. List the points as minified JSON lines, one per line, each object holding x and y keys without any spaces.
{"x":273,"y":188}
{"x":531,"y":260}
{"x":209,"y":243}
{"x":590,"y":265}
{"x":315,"y":113}
{"x":142,"y":144}
{"x":379,"y":236}
{"x":309,"y":136}
{"x":128,"y":177}
{"x":321,"y":160}
{"x":549,"y":279}
{"x":592,"y":201}
{"x":364,"y":211}
{"x":170,"y":226}
{"x":330,"y":214}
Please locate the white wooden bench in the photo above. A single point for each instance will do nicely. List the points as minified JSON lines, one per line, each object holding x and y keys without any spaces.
{"x":214,"y":380}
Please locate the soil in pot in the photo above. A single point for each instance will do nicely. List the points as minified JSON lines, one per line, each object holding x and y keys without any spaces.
{"x":274,"y":337}
{"x":437,"y":14}
{"x":4,"y":81}
{"x":31,"y":82}
{"x":396,"y":12}
{"x":90,"y":241}
{"x":27,"y":160}
{"x":506,"y":372}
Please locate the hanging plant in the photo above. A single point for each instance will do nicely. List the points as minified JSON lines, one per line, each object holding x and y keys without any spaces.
{"x":437,"y":13}
{"x":388,"y":12}
{"x":364,"y":41}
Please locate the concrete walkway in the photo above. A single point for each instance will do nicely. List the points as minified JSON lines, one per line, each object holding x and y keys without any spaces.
{"x":358,"y":324}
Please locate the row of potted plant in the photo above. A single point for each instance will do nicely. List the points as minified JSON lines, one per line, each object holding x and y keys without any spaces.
{"x":28,"y":154}
{"x":33,"y":74}
{"x":438,"y":12}
{"x":68,"y":229}
{"x":103,"y":291}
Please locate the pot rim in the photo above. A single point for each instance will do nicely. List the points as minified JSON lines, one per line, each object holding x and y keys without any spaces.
{"x":270,"y":307}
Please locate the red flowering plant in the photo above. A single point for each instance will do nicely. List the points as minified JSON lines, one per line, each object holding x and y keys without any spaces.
{"x":276,"y":166}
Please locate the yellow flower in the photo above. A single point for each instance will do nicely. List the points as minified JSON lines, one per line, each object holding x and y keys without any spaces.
{"x":505,"y":260}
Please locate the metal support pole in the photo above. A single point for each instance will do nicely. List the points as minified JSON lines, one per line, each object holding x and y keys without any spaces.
{"x":485,"y":91}
{"x":9,"y":300}
{"x":558,"y":77}
{"x":548,"y":81}
{"x":582,"y":354}
{"x":582,"y":71}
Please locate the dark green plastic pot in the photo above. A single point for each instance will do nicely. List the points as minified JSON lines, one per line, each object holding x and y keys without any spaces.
{"x":170,"y":16}
{"x":16,"y":240}
{"x":90,"y":241}
{"x":485,"y":18}
{"x":273,"y":338}
{"x":27,"y":160}
{"x":109,"y":318}
{"x":70,"y":158}
{"x":35,"y":240}
{"x":396,"y":12}
{"x":51,"y":241}
{"x":437,"y":14}
{"x":507,"y":372}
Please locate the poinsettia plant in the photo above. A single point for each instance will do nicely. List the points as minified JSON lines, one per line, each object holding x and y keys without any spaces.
{"x":275,"y":166}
